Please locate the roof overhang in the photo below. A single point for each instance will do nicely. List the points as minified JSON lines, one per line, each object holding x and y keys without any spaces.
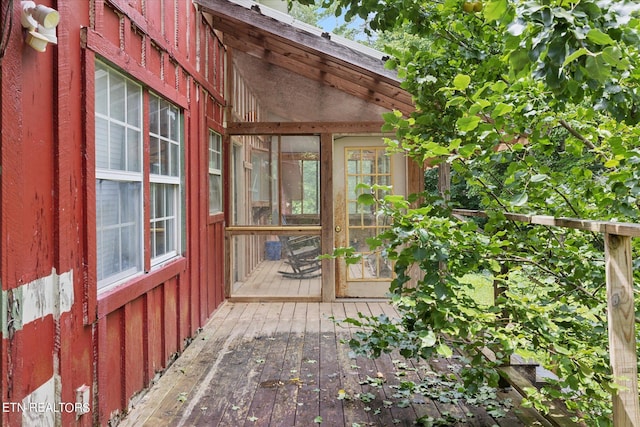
{"x":271,"y":40}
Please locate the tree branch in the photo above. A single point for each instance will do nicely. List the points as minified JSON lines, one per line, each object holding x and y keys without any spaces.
{"x":577,"y":134}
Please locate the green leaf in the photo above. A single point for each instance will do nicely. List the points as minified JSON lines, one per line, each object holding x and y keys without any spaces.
{"x":613,"y":56}
{"x":519,"y":199}
{"x":494,"y":10}
{"x":461,"y":81}
{"x":597,"y":69}
{"x":499,"y":86}
{"x":539,"y":177}
{"x":612,"y":163}
{"x":428,"y":338}
{"x":501,"y":109}
{"x":575,"y":55}
{"x":444,"y":350}
{"x":366,"y":199}
{"x":598,"y":37}
{"x":466,"y":124}
{"x":391,"y":64}
{"x":318,"y":420}
{"x":457,"y":100}
{"x":467,"y":150}
{"x":440,"y":290}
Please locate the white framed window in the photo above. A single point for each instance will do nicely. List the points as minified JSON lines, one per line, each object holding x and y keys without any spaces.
{"x":164,"y":178}
{"x":215,"y":172}
{"x":119,"y":177}
{"x":120,"y":148}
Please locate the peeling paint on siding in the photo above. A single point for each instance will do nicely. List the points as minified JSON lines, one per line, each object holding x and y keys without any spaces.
{"x":41,"y":406}
{"x":35,"y":300}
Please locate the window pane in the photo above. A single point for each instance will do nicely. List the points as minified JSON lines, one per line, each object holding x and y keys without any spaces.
{"x":164,"y":221}
{"x":175,"y":160}
{"x":215,"y":193}
{"x":102,"y":143}
{"x":109,"y":256}
{"x":164,"y":138}
{"x":118,"y":223}
{"x":158,"y":202}
{"x":107,"y":204}
{"x":154,"y":155}
{"x":116,"y":147}
{"x":102,"y":91}
{"x":164,"y":157}
{"x":173,"y":123}
{"x":170,"y":235}
{"x":215,"y":151}
{"x":164,"y":119}
{"x":117,"y":96}
{"x":154,"y":123}
{"x":133,"y":151}
{"x":384,"y":163}
{"x":133,"y":104}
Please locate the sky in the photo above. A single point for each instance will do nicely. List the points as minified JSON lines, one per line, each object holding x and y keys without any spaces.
{"x":331,"y":22}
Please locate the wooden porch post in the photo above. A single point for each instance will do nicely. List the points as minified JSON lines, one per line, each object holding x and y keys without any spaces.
{"x":327,"y":219}
{"x":622,"y":336}
{"x":444,"y":179}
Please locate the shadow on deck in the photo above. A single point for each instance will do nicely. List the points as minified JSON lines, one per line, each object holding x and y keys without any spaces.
{"x":283,"y":364}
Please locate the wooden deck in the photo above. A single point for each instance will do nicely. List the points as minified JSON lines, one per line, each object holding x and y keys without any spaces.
{"x":266,"y":283}
{"x":283,"y":364}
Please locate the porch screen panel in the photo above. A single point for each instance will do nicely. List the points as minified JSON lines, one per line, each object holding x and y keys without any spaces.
{"x":262,"y":197}
{"x":283,"y":180}
{"x":300,"y":186}
{"x":370,"y":166}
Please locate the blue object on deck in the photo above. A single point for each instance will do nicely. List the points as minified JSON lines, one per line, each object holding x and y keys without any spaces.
{"x":273,"y":250}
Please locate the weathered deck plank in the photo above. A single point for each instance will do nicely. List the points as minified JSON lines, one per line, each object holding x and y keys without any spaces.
{"x":284,"y":364}
{"x":237,"y":375}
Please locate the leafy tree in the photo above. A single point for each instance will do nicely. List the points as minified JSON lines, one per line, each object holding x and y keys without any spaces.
{"x":535,"y":105}
{"x":313,"y":14}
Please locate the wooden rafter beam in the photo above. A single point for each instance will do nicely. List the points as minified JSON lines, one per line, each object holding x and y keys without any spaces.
{"x":325,"y":71}
{"x":307,"y":54}
{"x":301,"y":128}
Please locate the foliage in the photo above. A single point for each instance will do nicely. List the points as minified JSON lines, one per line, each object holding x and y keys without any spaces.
{"x":312,"y":14}
{"x":535,"y":106}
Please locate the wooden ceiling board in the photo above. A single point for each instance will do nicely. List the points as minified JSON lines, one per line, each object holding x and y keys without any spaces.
{"x":388,"y":97}
{"x":307,"y":54}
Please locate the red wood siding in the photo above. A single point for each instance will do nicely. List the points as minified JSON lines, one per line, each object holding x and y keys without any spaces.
{"x":115,"y":341}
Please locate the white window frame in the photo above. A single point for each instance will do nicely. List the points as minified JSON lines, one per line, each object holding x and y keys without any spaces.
{"x":120,"y":176}
{"x":215,"y":138}
{"x":172,"y":180}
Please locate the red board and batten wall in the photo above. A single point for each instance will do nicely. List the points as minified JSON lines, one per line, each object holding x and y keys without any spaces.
{"x":59,"y":332}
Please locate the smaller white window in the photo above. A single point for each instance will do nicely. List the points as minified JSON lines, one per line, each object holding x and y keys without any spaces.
{"x":215,"y":172}
{"x":164,"y":167}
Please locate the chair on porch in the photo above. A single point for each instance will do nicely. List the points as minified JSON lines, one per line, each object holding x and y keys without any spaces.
{"x":301,"y":254}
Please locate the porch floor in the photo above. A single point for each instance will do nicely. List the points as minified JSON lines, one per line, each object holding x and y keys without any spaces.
{"x":284,"y":364}
{"x":266,"y":282}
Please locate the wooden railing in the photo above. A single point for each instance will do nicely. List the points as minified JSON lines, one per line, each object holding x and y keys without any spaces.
{"x":620,"y":303}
